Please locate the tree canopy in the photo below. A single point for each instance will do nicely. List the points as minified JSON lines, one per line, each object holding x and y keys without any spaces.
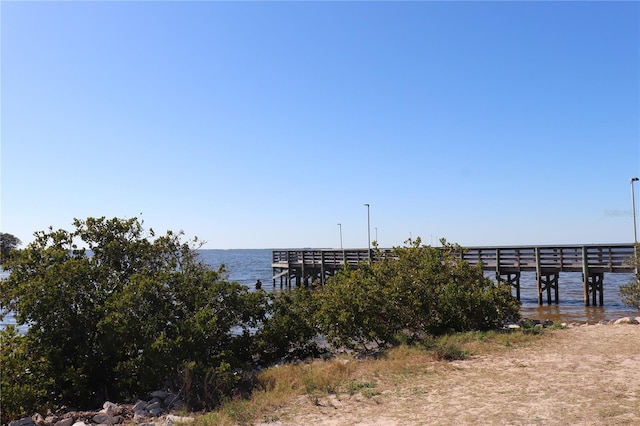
{"x":113,"y":310}
{"x":630,"y":292}
{"x":8,"y":242}
{"x":416,"y":290}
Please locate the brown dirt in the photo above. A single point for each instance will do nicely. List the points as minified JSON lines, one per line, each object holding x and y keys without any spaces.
{"x":586,"y":375}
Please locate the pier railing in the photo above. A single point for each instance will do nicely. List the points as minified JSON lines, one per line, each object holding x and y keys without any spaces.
{"x":310,"y":265}
{"x":569,"y":258}
{"x":329,"y":257}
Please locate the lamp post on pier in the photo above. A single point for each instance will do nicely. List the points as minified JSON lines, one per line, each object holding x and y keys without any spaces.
{"x":340,"y":225}
{"x":368,"y":231}
{"x":635,"y":234}
{"x":633,"y":211}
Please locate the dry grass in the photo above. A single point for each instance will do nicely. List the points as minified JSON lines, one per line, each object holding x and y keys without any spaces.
{"x":582,"y":376}
{"x":578,"y":376}
{"x":288,"y":391}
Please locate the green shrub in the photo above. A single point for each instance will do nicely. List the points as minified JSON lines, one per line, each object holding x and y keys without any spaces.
{"x":25,"y":379}
{"x":126,"y":314}
{"x":630,"y":292}
{"x":416,"y":290}
{"x":288,"y":331}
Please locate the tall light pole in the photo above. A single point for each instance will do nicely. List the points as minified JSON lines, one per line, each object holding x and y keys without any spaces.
{"x":633,"y":211}
{"x":635,"y":235}
{"x":368,"y":230}
{"x":340,"y":225}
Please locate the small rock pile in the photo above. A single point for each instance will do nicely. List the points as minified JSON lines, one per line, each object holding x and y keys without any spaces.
{"x":525,"y":323}
{"x":154,"y":412}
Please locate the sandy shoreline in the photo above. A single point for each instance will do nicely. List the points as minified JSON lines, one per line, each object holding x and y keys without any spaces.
{"x":588,"y":375}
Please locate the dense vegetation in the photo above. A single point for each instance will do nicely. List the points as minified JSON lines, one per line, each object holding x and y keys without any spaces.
{"x":115,"y":311}
{"x":8,"y":242}
{"x":417,"y":290}
{"x":630,"y":292}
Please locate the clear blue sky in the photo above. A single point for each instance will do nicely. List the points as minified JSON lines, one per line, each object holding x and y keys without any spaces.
{"x":265,"y":124}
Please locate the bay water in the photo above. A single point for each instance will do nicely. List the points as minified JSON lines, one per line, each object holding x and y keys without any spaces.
{"x":246,"y":266}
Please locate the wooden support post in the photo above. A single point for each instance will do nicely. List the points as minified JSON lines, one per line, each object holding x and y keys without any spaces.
{"x":547,"y":281}
{"x":538,"y":274}
{"x":595,"y":288}
{"x":511,"y":278}
{"x":585,"y":275}
{"x":599,"y":284}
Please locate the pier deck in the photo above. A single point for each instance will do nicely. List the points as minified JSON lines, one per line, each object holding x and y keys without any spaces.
{"x":303,"y":266}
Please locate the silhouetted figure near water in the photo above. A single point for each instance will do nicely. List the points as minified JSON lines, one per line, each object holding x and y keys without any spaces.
{"x":258,"y":285}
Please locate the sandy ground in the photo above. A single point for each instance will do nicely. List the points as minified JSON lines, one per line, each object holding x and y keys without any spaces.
{"x":586,"y":375}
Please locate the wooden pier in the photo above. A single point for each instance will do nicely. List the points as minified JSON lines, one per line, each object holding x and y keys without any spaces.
{"x":307,"y":266}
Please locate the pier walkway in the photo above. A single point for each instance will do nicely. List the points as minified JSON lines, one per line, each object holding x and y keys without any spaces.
{"x":593,"y":260}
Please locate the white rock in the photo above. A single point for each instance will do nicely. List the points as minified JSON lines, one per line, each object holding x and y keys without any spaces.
{"x":626,"y":320}
{"x":171,"y":420}
{"x":110,"y":408}
{"x":80,"y":424}
{"x":38,"y":419}
{"x":65,"y":422}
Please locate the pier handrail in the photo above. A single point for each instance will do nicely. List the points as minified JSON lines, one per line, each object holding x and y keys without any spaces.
{"x":600,"y":257}
{"x":547,"y":261}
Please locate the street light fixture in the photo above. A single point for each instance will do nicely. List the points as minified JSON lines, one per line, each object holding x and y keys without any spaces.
{"x":368,"y":231}
{"x":635,"y":235}
{"x":340,"y":225}
{"x":633,"y":211}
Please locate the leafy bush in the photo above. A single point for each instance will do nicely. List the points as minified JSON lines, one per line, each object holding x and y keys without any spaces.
{"x":288,"y":332}
{"x":129,"y":312}
{"x":8,"y":242}
{"x":630,"y":292}
{"x":24,"y":379}
{"x":417,"y":289}
{"x":125,"y":314}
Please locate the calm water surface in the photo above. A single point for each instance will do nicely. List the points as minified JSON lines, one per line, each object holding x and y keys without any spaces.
{"x":248,"y":265}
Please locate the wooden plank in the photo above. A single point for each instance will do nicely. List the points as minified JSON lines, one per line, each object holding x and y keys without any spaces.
{"x":599,"y":258}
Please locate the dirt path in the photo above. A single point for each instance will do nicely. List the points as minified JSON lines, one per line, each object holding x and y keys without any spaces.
{"x":579,"y":376}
